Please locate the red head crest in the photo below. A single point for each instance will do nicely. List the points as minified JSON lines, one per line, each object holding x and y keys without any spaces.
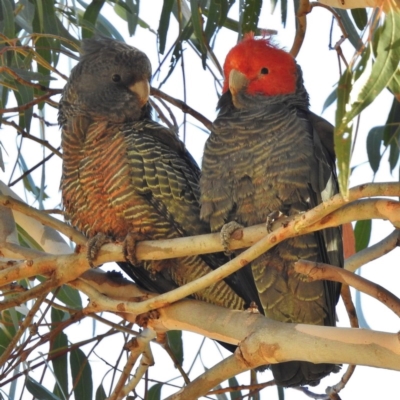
{"x":269,"y":70}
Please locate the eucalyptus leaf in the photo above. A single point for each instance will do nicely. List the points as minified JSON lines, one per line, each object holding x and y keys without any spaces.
{"x":38,"y":390}
{"x":81,"y":375}
{"x":163,"y":26}
{"x":362,"y":232}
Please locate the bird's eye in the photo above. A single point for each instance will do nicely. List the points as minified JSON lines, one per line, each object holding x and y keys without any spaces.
{"x":116,"y":78}
{"x":264,"y":71}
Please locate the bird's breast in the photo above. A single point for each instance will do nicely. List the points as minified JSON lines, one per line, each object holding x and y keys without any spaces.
{"x":96,"y":187}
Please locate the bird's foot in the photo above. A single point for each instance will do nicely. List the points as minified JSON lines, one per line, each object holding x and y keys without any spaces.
{"x":129,"y":247}
{"x":94,"y":245}
{"x":272,"y":218}
{"x":253,"y":308}
{"x":227,"y":233}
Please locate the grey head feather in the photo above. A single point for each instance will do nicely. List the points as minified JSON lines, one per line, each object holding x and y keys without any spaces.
{"x":93,"y":91}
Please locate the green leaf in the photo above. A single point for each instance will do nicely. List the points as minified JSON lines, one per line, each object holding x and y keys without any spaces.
{"x":31,"y":76}
{"x":273,"y":4}
{"x":284,"y":12}
{"x":57,"y":316}
{"x":374,"y":141}
{"x":100,"y":393}
{"x":384,"y":68}
{"x":129,"y":12}
{"x":216,"y":17}
{"x":164,"y":24}
{"x":60,"y":363}
{"x":394,"y":85}
{"x":90,"y":16}
{"x":2,"y":166}
{"x":330,"y":100}
{"x":154,"y":392}
{"x":7,"y":328}
{"x":362,"y":232}
{"x":38,"y":390}
{"x":360,"y":17}
{"x":24,"y":95}
{"x":26,"y":240}
{"x":394,"y":152}
{"x":343,"y":132}
{"x":391,"y":135}
{"x":197,"y":22}
{"x":353,"y":37}
{"x":29,"y":184}
{"x":176,"y":345}
{"x":176,"y":55}
{"x":70,"y":297}
{"x":106,"y":28}
{"x":7,"y":19}
{"x":25,"y":16}
{"x":236,"y":395}
{"x":251,"y":12}
{"x":81,"y":375}
{"x":133,"y":15}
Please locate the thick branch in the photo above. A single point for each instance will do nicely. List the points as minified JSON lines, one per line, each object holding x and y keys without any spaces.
{"x":45,"y":265}
{"x":156,"y":250}
{"x":264,"y":341}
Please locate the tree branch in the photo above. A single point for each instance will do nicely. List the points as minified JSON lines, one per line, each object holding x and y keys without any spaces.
{"x":182,"y":106}
{"x":348,"y":4}
{"x":46,"y":265}
{"x":301,"y":26}
{"x":67,"y":230}
{"x":25,"y":134}
{"x":264,"y":341}
{"x":319,"y":271}
{"x":138,"y":345}
{"x":374,"y":252}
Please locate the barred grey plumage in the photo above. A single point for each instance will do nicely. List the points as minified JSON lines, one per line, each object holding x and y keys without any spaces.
{"x":124,"y":173}
{"x":268,"y":153}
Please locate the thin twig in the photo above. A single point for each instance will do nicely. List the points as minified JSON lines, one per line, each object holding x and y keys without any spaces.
{"x":182,"y":106}
{"x":27,"y":172}
{"x":32,"y":103}
{"x":301,"y":27}
{"x":334,"y":13}
{"x":334,"y":390}
{"x":139,"y":345}
{"x":22,"y":81}
{"x":251,"y":388}
{"x":25,"y":134}
{"x":161,"y":114}
{"x":348,"y":303}
{"x":171,"y":114}
{"x":23,"y":326}
{"x":162,"y":340}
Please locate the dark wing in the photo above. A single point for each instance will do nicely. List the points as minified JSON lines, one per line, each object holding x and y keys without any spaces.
{"x":330,"y":240}
{"x":168,"y":177}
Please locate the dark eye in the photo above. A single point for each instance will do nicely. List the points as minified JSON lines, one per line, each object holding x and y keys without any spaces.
{"x":264,"y":71}
{"x":116,"y":78}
